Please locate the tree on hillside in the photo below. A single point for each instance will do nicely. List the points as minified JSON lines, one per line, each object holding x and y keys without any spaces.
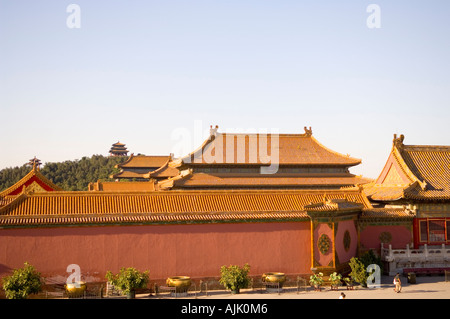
{"x":69,"y":175}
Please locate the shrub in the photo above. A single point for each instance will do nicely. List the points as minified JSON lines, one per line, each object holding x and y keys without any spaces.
{"x":128,"y":280}
{"x":316,"y":279}
{"x":359,"y":266}
{"x":234,"y":277}
{"x":359,"y":273}
{"x":23,"y":282}
{"x":335,"y":279}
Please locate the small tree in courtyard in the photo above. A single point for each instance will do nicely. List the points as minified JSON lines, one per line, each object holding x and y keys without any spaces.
{"x":359,"y":273}
{"x":128,"y":280}
{"x":359,"y":266}
{"x":23,"y":282}
{"x":234,"y":277}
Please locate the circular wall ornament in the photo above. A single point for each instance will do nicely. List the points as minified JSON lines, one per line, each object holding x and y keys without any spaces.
{"x":324,"y":243}
{"x":347,"y":240}
{"x":385,"y":237}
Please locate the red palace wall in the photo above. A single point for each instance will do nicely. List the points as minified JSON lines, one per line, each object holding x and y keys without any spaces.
{"x":400,"y":235}
{"x":165,"y":250}
{"x":322,"y":229}
{"x":344,"y":254}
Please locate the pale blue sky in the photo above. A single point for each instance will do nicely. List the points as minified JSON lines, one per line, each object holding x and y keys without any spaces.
{"x":136,"y":71}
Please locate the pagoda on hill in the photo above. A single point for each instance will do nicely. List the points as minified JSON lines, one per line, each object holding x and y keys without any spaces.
{"x":118,"y":149}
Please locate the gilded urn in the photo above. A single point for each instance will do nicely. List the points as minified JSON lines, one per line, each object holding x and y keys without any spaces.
{"x":76,"y":288}
{"x":181,"y":283}
{"x":274,"y":277}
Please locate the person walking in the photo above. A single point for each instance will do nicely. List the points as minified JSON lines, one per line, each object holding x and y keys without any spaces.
{"x":397,"y":283}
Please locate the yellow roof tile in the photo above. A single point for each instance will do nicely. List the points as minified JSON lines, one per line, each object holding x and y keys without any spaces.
{"x":173,"y":206}
{"x":427,"y":167}
{"x":285,"y":149}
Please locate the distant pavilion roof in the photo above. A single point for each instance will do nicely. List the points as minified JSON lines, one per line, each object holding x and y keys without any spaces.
{"x":145,"y":161}
{"x":146,"y":167}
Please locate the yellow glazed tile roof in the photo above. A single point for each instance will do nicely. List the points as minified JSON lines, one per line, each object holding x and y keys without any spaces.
{"x":334,"y":205}
{"x":34,"y":176}
{"x":145,"y":161}
{"x":386,"y":213}
{"x":431,"y":165}
{"x":293,"y":149}
{"x":198,"y":180}
{"x":153,"y":207}
{"x":427,"y":169}
{"x":122,"y":186}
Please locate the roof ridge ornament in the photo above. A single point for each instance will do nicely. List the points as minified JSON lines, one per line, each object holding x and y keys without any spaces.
{"x":213,"y":130}
{"x":398,"y":141}
{"x":308,"y":132}
{"x":424,"y":185}
{"x":35,"y":163}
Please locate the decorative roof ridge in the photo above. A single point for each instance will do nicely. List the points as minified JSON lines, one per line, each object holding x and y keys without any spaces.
{"x":169,"y":182}
{"x":18,"y":183}
{"x":382,"y":213}
{"x":191,"y":156}
{"x":411,"y":195}
{"x":33,"y":172}
{"x":278,"y":134}
{"x":412,"y":186}
{"x":308,"y":133}
{"x":351,"y":190}
{"x":285,"y":174}
{"x":356,"y":161}
{"x":132,"y":156}
{"x":397,"y":148}
{"x":398,"y":143}
{"x":336,"y":204}
{"x":127,"y":161}
{"x":384,"y":209}
{"x":19,"y":198}
{"x":426,"y":148}
{"x":158,"y":170}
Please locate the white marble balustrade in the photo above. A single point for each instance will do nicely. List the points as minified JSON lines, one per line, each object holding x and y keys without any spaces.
{"x":426,"y":257}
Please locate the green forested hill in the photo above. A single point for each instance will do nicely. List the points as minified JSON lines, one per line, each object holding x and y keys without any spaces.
{"x":69,"y":175}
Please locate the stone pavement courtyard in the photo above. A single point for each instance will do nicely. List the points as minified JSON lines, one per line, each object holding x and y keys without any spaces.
{"x":426,"y":287}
